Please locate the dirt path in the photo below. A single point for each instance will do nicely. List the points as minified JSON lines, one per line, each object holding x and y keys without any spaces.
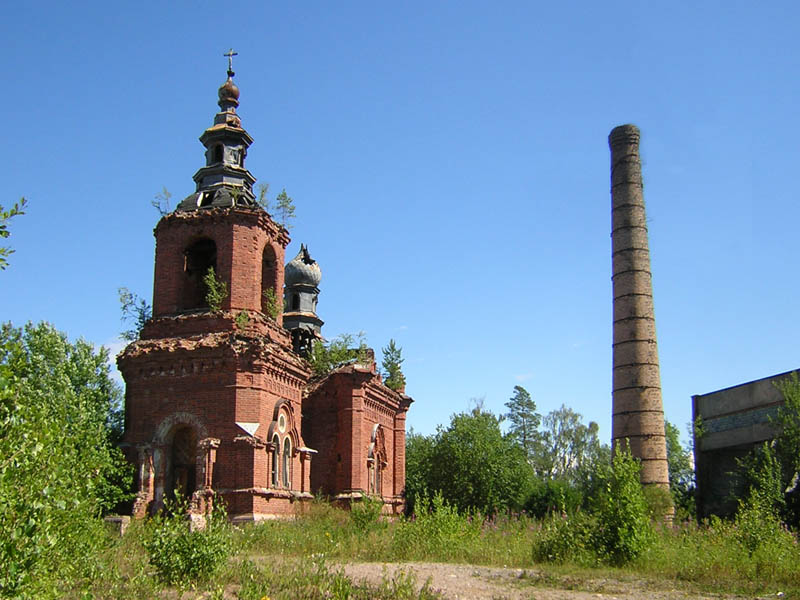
{"x":461,"y":582}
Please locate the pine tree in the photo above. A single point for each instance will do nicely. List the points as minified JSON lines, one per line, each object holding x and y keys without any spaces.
{"x":524,"y":419}
{"x":392,"y":359}
{"x":284,"y":207}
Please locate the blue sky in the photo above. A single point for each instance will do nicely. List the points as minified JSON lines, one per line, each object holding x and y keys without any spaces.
{"x":449,"y":164}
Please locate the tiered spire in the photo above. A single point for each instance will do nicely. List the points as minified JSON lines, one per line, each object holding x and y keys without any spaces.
{"x":224,"y":181}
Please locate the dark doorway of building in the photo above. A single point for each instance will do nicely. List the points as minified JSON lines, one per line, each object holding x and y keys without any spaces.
{"x":183,"y":464}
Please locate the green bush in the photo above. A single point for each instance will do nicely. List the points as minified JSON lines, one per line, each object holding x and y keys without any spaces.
{"x":553,"y":496}
{"x":366,"y":513}
{"x":59,"y":470}
{"x":181,"y":555}
{"x":567,"y":539}
{"x":624,"y":530}
{"x":436,"y":529}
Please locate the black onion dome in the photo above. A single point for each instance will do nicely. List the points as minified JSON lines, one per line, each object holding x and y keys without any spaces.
{"x":302,"y":269}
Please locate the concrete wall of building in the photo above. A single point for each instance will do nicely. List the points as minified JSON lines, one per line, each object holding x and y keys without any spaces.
{"x":728,"y":424}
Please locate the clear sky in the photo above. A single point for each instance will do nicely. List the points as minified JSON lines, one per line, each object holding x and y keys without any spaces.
{"x":450,"y":167}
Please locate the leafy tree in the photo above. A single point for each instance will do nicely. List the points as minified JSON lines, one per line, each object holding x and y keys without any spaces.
{"x":476,"y":467}
{"x":135,"y":310}
{"x":760,"y":479}
{"x":625,"y":530}
{"x":681,"y":471}
{"x":284,"y":208}
{"x":59,"y":470}
{"x":325,"y":357}
{"x":419,"y":457}
{"x":392,"y":359}
{"x":5,"y":217}
{"x":525,"y":421}
{"x":787,"y":446}
{"x":568,"y":446}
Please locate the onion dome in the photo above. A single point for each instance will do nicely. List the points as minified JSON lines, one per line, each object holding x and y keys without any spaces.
{"x":228,"y":93}
{"x":302,"y":270}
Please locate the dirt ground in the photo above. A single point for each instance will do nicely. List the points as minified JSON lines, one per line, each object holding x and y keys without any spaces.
{"x":461,"y":582}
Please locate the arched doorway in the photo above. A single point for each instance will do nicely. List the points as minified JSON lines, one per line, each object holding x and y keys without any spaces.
{"x":183,"y":463}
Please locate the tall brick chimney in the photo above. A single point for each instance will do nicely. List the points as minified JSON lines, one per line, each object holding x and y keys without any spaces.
{"x":637,"y":413}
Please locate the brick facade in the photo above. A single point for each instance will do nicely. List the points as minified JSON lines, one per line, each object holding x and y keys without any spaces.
{"x":219,"y":400}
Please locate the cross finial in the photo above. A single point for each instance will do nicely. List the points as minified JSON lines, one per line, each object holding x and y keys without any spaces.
{"x":230,"y":54}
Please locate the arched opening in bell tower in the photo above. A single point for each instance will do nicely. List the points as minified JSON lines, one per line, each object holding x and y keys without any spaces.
{"x":270,"y":300}
{"x":199,"y":257}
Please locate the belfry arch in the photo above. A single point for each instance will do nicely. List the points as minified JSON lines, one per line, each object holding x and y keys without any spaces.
{"x":198,"y":258}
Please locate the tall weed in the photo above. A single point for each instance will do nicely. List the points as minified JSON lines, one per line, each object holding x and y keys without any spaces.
{"x":180,"y":555}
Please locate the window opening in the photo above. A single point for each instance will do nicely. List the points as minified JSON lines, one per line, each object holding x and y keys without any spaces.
{"x":287,"y":462}
{"x":276,"y":450}
{"x":198,"y":258}
{"x":270,"y":302}
{"x":295,"y":301}
{"x":218,"y":152}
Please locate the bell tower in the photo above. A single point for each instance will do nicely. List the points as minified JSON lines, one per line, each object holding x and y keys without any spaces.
{"x":213,"y":388}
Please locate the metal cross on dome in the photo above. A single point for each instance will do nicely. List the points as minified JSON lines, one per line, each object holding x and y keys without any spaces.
{"x":230,"y":54}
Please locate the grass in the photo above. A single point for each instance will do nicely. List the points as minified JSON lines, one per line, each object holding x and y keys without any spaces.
{"x":298,"y":558}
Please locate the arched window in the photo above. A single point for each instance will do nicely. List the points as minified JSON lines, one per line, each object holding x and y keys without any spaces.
{"x":276,"y":451}
{"x":287,"y":462}
{"x":198,"y":259}
{"x":270,"y":301}
{"x":218,"y":153}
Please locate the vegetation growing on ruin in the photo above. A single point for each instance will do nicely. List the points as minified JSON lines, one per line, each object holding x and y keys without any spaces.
{"x":216,"y":290}
{"x":136,"y":311}
{"x":392,"y":363}
{"x":327,"y":356}
{"x":271,"y":305}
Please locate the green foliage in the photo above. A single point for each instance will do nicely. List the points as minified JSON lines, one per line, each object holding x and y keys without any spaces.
{"x":5,"y":217}
{"x":437,"y":525}
{"x":242,"y":319}
{"x":135,"y":310}
{"x":216,"y":290}
{"x":180,"y":555}
{"x":759,"y":478}
{"x":271,"y":304}
{"x":475,"y":467}
{"x":757,"y":522}
{"x":681,"y":472}
{"x":161,"y":202}
{"x":525,"y":421}
{"x":59,"y":414}
{"x":553,"y":496}
{"x":419,"y":463}
{"x":317,"y":581}
{"x":284,"y":208}
{"x":366,"y":513}
{"x":393,"y":376}
{"x":567,"y":539}
{"x":622,"y":512}
{"x":324,"y":358}
{"x":787,"y":445}
{"x":568,"y":446}
{"x":263,"y":199}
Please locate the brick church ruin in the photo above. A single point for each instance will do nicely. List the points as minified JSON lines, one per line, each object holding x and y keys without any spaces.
{"x":222,"y":401}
